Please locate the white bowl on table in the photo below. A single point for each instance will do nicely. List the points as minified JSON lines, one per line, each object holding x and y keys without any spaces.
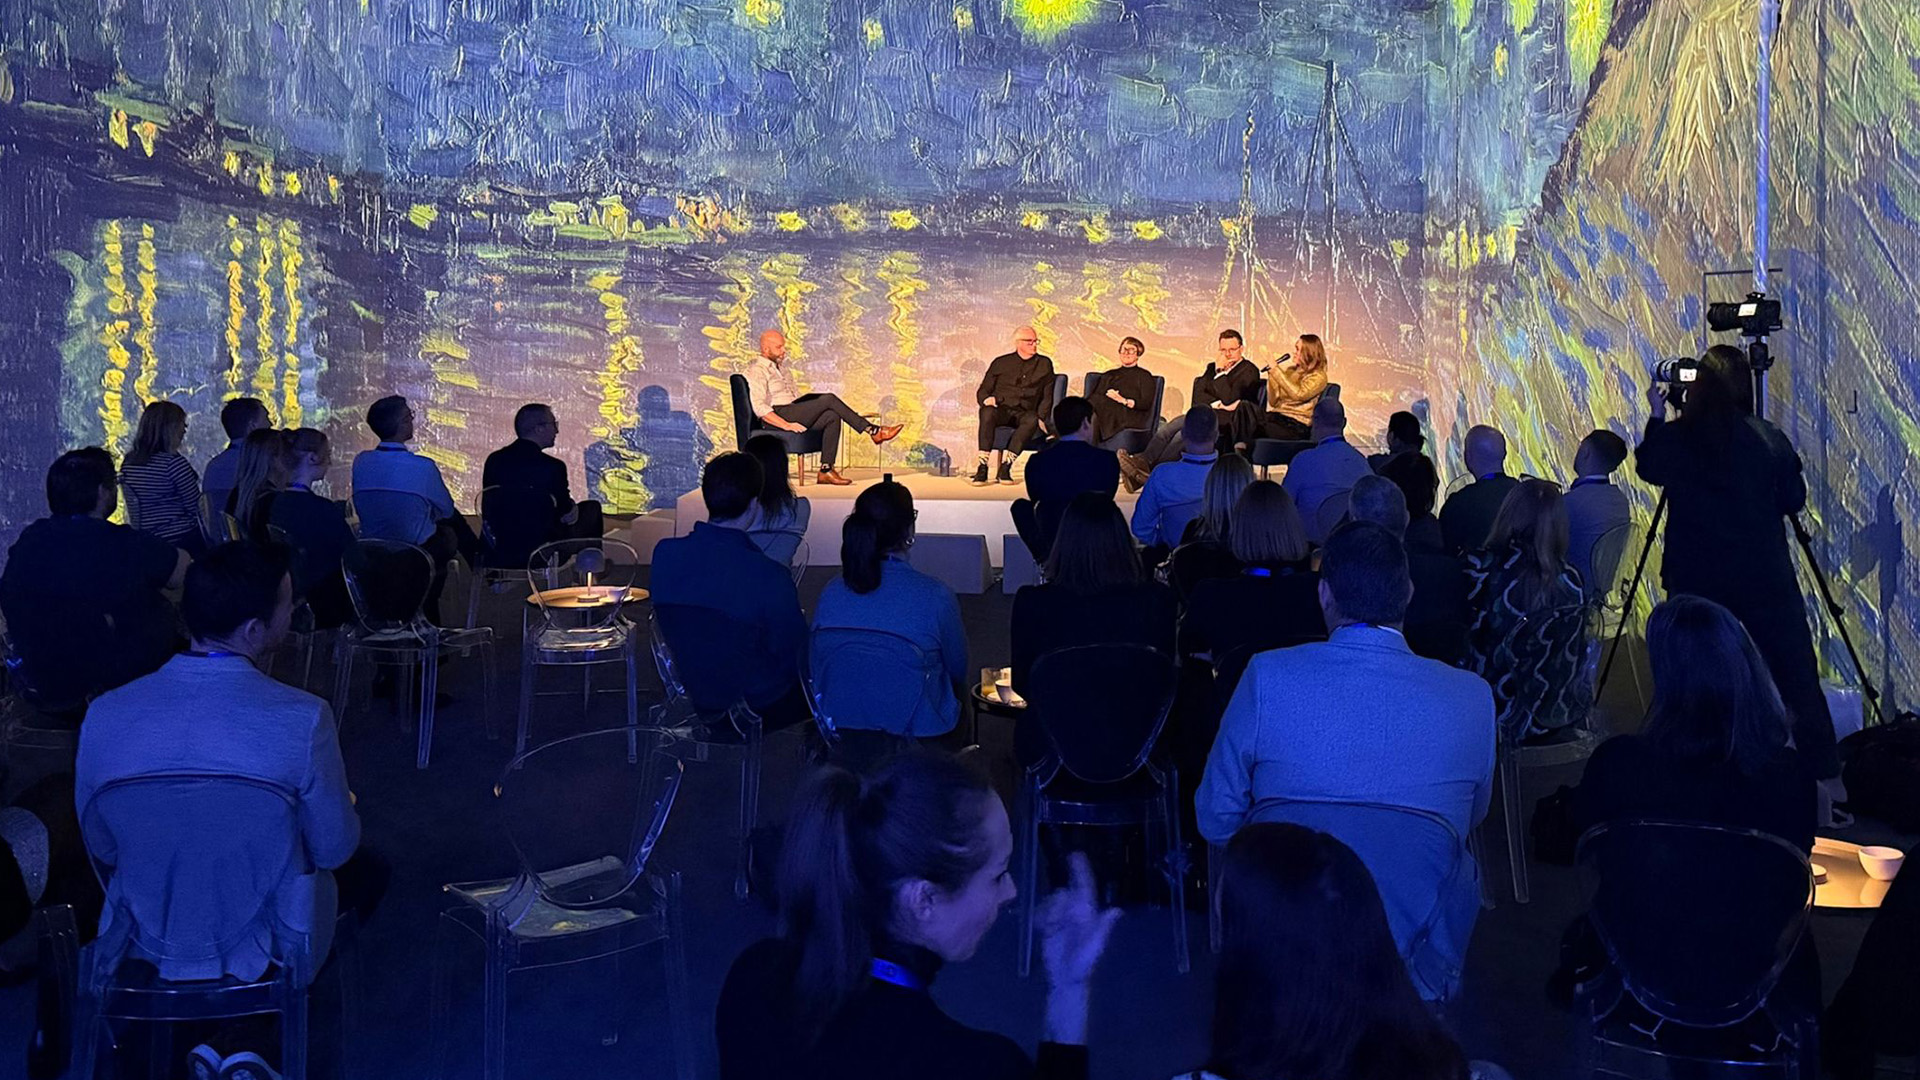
{"x":1881,"y":863}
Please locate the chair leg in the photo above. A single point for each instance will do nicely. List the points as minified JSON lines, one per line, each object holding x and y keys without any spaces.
{"x":429,"y":690}
{"x":293,"y":1034}
{"x":749,"y":812}
{"x":1176,"y":871}
{"x":1516,"y":835}
{"x":679,"y":1014}
{"x":490,"y":685}
{"x":528,"y":670}
{"x":633,"y":684}
{"x":474,"y":581}
{"x":439,"y":1007}
{"x":1030,"y":857}
{"x":493,"y":1063}
{"x":342,"y":679}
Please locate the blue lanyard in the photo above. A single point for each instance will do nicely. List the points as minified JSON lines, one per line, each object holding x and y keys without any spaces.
{"x":889,"y":972}
{"x":210,"y":654}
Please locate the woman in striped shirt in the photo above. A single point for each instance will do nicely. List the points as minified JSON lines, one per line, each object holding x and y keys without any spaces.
{"x":161,"y":486}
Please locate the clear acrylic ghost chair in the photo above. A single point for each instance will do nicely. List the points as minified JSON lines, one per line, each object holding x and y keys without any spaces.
{"x":578,"y":618}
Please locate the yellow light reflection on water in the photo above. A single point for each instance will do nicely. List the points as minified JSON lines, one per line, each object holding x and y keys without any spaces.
{"x":236,"y":302}
{"x":730,"y":339}
{"x":113,"y":336}
{"x":291,"y":258}
{"x":622,"y":489}
{"x":266,"y":377}
{"x":901,"y":271}
{"x":143,"y":336}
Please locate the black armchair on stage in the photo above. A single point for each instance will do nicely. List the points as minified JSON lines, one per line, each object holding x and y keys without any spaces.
{"x":1003,"y":436}
{"x":746,"y":425}
{"x":1133,"y":440}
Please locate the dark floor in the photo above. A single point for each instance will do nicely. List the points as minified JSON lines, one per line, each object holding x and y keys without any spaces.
{"x":605,"y":1020}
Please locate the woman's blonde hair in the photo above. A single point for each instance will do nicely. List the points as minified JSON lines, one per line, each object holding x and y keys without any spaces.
{"x":1228,"y":477}
{"x":1533,"y":518}
{"x":1312,"y":355}
{"x":1266,"y":526}
{"x":161,"y":425}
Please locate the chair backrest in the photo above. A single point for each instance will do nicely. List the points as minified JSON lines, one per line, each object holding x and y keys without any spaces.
{"x":388,"y":584}
{"x":780,"y":545}
{"x":1541,"y":667}
{"x":1698,"y":920}
{"x":1102,"y":706}
{"x":707,"y":678}
{"x":1227,"y":669}
{"x":584,"y":813}
{"x":798,"y":559}
{"x":1427,"y":879}
{"x":132,"y":502}
{"x":1270,"y":452}
{"x":1330,"y":513}
{"x":862,"y":679}
{"x":1175,"y":517}
{"x":513,"y":522}
{"x":1604,"y":561}
{"x":188,"y":886}
{"x":583,"y":583}
{"x":387,"y":514}
{"x":742,"y":400}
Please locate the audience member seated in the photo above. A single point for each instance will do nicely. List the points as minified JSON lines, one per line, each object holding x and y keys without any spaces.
{"x":525,"y":464}
{"x":1467,"y":518}
{"x":1403,"y":437}
{"x":160,"y":483}
{"x":879,"y":590}
{"x":1204,"y":551}
{"x":1329,"y":469}
{"x":1272,"y":597}
{"x":717,"y":568}
{"x":213,"y":711}
{"x":429,"y":519}
{"x":1714,"y":751}
{"x":1172,"y":495}
{"x":1438,"y":616}
{"x":1356,"y":718}
{"x":81,"y":595}
{"x":1093,"y":593}
{"x":881,"y":882}
{"x":784,"y":516}
{"x":239,"y":417}
{"x":1419,"y":481}
{"x":1294,"y":389}
{"x":1310,"y":985}
{"x":317,"y":530}
{"x":264,"y":468}
{"x":1537,"y":685}
{"x":1595,"y":506}
{"x":1067,"y":466}
{"x":1122,"y":400}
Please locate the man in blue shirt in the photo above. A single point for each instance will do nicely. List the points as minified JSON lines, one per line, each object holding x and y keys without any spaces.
{"x":1327,"y":470}
{"x":1071,"y":465}
{"x":1171,"y":497}
{"x":730,"y":615}
{"x":239,"y":417}
{"x":400,"y":495}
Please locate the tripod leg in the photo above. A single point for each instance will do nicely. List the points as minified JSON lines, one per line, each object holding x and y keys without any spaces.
{"x":1633,"y":591}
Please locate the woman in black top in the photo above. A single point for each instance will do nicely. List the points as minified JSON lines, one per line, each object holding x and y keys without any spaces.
{"x":1203,"y":552}
{"x":262,"y":472}
{"x":1413,"y":473}
{"x":1122,"y":397}
{"x":316,"y":528}
{"x":1310,"y":985}
{"x":1275,"y":595}
{"x":879,"y":883}
{"x":1523,"y":572}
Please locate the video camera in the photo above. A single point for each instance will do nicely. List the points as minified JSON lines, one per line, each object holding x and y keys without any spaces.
{"x":1755,"y":317}
{"x":1678,"y":374}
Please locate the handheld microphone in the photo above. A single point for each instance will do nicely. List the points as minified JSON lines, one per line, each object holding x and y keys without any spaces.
{"x":1283,"y":358}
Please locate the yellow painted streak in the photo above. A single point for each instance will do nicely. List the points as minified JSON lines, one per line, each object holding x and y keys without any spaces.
{"x":962,"y":18}
{"x":266,"y":377}
{"x":291,"y":259}
{"x":1523,"y":13}
{"x":788,"y":221}
{"x":851,"y":218}
{"x":113,"y":335}
{"x":232,"y":163}
{"x":1587,"y":25}
{"x":1500,"y":61}
{"x":1033,"y":219}
{"x":1096,"y":229}
{"x":900,"y":271}
{"x":1146,"y":293}
{"x":1147,"y":230}
{"x":1048,"y":19}
{"x":1462,"y":13}
{"x":117,"y":128}
{"x":787,"y":275}
{"x":763,"y":12}
{"x":875,"y":34}
{"x":148,"y":276}
{"x":148,"y":131}
{"x":441,"y":342}
{"x":236,"y":302}
{"x":864,"y":388}
{"x":423,"y":215}
{"x":290,"y":183}
{"x":622,"y":489}
{"x":1096,"y":281}
{"x":728,"y":339}
{"x":1044,"y":310}
{"x":904,"y":220}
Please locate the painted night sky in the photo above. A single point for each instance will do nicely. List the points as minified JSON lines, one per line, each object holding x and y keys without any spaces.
{"x":601,"y":204}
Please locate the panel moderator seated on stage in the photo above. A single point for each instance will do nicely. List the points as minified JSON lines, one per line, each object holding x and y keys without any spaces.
{"x":779,"y":404}
{"x":1016,"y":392}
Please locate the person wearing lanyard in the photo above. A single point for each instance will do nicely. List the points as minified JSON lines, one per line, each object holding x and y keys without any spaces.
{"x":1467,"y":516}
{"x":880,"y":882}
{"x":1595,"y":506}
{"x":1360,"y":718}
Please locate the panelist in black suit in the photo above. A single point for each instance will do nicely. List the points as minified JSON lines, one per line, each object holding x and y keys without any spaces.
{"x":524,"y":464}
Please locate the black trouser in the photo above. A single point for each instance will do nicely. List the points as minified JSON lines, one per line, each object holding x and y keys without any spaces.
{"x":451,"y":537}
{"x":823,"y":413}
{"x":1280,"y":426}
{"x":1023,"y":419}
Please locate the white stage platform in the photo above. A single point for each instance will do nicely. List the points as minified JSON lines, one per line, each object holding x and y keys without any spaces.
{"x":948,"y":505}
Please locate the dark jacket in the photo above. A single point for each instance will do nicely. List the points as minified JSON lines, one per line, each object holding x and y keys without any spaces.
{"x":1110,"y":417}
{"x":521,"y":464}
{"x":1049,"y":617}
{"x":1243,"y":383}
{"x":722,"y":571}
{"x":1724,"y":507}
{"x":1259,"y":607}
{"x":886,"y":1032}
{"x":1021,"y":385}
{"x":1065,"y":469}
{"x":1630,"y":778}
{"x":1466,"y":519}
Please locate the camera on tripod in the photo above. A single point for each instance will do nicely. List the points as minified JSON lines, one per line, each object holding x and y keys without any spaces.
{"x":1755,"y":317}
{"x":1678,"y":374}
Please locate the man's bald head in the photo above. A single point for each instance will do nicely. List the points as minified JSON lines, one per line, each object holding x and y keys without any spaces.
{"x":1329,"y":418}
{"x":1025,"y":342}
{"x":1486,"y":450}
{"x":773,"y":345}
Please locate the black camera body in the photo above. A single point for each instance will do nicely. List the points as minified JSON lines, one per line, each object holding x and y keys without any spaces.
{"x":1755,"y":317}
{"x":1677,"y":373}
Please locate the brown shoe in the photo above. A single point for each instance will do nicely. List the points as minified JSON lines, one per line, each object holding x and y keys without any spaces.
{"x":885,"y":434}
{"x":832,"y":478}
{"x":1131,"y":470}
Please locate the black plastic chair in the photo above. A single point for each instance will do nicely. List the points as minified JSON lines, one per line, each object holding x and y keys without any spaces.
{"x":1269,"y":453}
{"x":1102,"y":708}
{"x":1132,"y":440}
{"x":1003,"y":436}
{"x":746,"y":425}
{"x":1699,"y":923}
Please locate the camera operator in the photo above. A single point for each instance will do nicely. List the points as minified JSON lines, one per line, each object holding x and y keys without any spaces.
{"x":1730,"y":479}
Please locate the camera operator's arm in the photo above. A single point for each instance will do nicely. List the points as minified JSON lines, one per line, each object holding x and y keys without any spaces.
{"x":1789,"y":476}
{"x":1654,"y":458}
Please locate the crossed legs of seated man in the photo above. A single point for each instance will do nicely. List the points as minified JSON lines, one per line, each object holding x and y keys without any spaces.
{"x":825,"y":413}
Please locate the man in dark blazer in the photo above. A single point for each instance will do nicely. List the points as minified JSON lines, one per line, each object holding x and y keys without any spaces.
{"x":524,"y":465}
{"x":1071,"y":465}
{"x":1016,"y":392}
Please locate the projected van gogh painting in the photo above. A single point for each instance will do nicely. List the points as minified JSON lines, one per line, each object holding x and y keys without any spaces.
{"x":1505,"y":206}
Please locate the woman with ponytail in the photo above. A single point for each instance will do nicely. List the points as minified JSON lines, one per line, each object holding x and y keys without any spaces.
{"x":879,"y":590}
{"x":879,"y":883}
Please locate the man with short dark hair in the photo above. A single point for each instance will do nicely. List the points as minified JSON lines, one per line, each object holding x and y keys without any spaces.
{"x":1595,"y":506}
{"x":400,"y":495}
{"x":82,"y":595}
{"x":1439,"y":613}
{"x":1071,"y":465}
{"x":1171,"y":497}
{"x":1328,"y":469}
{"x":239,"y":417}
{"x":1403,"y":437}
{"x":213,"y":711}
{"x":730,"y":614}
{"x":524,"y":466}
{"x":1231,"y":387}
{"x":1380,"y":501}
{"x":1466,"y":518}
{"x":1359,"y":718}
